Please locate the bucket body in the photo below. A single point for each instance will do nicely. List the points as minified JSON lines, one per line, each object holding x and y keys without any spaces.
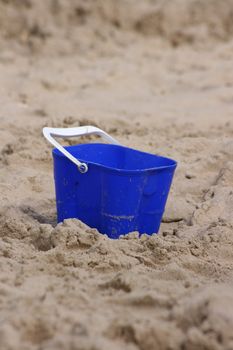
{"x":124,"y":190}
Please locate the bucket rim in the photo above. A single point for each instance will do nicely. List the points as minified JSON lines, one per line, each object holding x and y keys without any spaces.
{"x":173,"y":164}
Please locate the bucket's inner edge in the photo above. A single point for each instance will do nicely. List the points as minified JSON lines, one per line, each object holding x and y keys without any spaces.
{"x":117,"y":157}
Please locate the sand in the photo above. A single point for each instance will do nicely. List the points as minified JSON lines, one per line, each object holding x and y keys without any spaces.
{"x":156,"y":75}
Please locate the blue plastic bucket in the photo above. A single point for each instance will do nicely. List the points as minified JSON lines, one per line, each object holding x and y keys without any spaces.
{"x":124,"y":190}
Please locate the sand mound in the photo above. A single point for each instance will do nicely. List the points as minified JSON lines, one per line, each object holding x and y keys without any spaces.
{"x":177,"y":21}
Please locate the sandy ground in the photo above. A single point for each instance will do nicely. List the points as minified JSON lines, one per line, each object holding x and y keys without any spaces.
{"x":157,"y":75}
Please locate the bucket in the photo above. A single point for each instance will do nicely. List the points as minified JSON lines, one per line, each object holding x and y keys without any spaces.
{"x":112,"y":188}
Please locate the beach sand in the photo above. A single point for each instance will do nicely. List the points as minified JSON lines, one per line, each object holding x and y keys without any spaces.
{"x":156,"y":75}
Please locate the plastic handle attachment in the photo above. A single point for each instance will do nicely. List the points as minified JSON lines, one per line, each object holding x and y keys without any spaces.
{"x":70,"y":132}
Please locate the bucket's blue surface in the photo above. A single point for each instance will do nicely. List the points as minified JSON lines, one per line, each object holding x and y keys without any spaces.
{"x":124,"y":190}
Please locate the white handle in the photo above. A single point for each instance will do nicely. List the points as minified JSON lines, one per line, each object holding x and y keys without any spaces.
{"x":70,"y":132}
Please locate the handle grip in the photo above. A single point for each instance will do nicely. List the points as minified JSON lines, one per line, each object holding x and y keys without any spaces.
{"x":70,"y":132}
